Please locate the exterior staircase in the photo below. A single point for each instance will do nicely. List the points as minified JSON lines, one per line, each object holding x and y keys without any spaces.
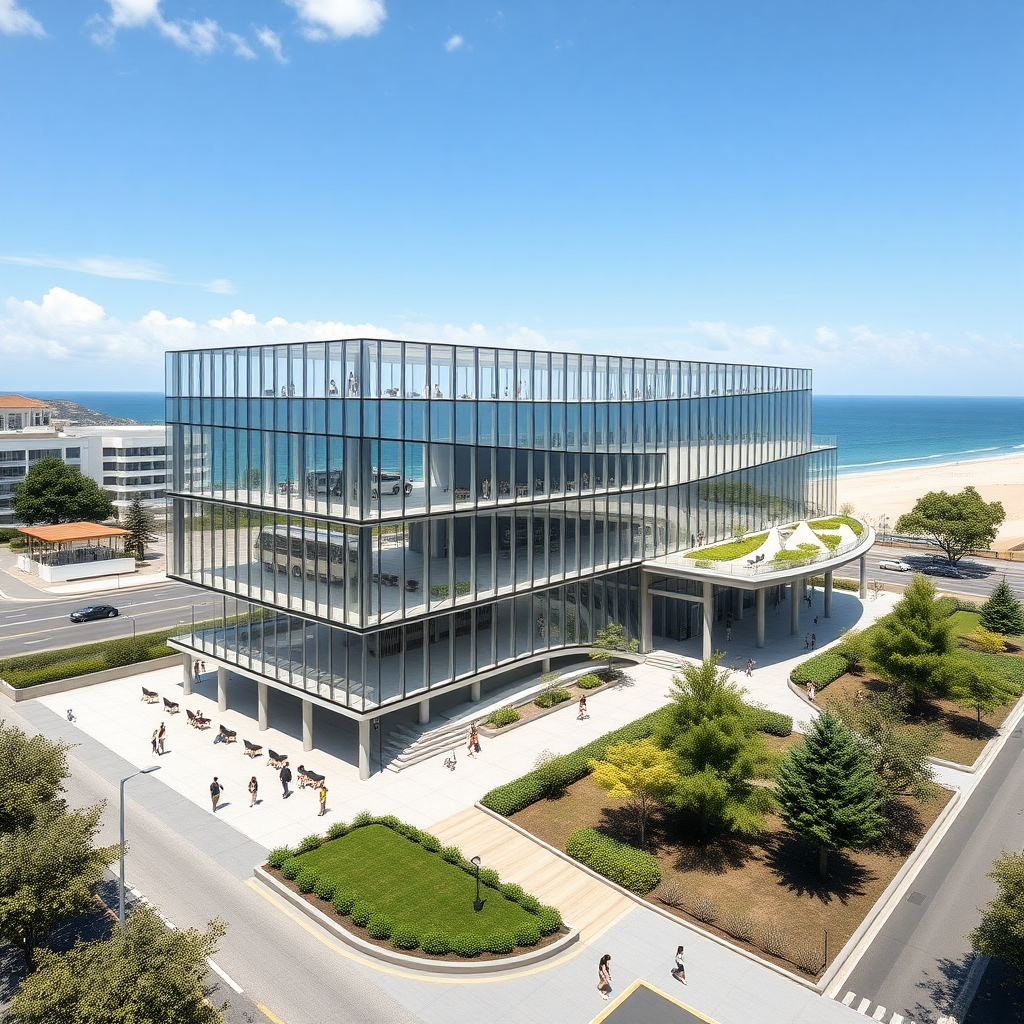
{"x":409,"y":744}
{"x":664,"y":659}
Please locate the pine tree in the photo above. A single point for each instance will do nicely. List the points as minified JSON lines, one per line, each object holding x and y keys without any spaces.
{"x":827,"y":791}
{"x":909,"y":644}
{"x":140,"y":523}
{"x":1002,"y":613}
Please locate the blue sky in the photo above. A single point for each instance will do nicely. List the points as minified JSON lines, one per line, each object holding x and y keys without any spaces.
{"x":826,"y":184}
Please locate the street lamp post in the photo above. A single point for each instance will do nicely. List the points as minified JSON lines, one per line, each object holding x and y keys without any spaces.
{"x":132,"y":617}
{"x":141,"y":771}
{"x":478,"y":904}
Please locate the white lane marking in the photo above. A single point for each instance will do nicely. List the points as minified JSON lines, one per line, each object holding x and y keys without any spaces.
{"x":897,"y":1018}
{"x":879,"y":1013}
{"x":862,"y":1007}
{"x":849,"y":998}
{"x":228,"y":980}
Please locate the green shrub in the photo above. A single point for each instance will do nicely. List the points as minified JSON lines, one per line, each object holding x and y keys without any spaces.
{"x":430,"y":843}
{"x":435,"y":942}
{"x":549,"y":698}
{"x":512,"y":892}
{"x":9,"y":533}
{"x":126,"y":651}
{"x":733,"y":549}
{"x":821,"y":669}
{"x":629,"y":867}
{"x":404,"y":938}
{"x":549,"y":920}
{"x":501,"y":942}
{"x":529,"y":903}
{"x":772,"y":722}
{"x":337,"y":830}
{"x":344,"y":901}
{"x":452,"y":854}
{"x":802,"y":553}
{"x":33,"y":677}
{"x":589,"y":681}
{"x":830,"y":540}
{"x":291,"y":868}
{"x":467,"y":944}
{"x":361,"y":819}
{"x":325,"y":888}
{"x":502,"y":717}
{"x":361,"y":913}
{"x":278,"y":856}
{"x":527,"y":934}
{"x":490,"y":878}
{"x":311,"y":842}
{"x":380,"y":926}
{"x":306,"y":880}
{"x":514,"y":796}
{"x":834,"y":522}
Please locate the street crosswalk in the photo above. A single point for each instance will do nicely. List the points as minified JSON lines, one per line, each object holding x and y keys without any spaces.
{"x":863,"y":1005}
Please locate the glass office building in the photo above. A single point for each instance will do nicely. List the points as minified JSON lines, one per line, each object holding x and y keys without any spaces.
{"x":390,"y":519}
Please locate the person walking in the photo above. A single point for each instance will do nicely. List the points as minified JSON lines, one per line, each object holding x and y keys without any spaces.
{"x":286,"y":777}
{"x":807,"y":641}
{"x":679,"y":971}
{"x":254,"y":789}
{"x":750,"y":666}
{"x":473,"y":746}
{"x":583,"y":707}
{"x":215,"y":791}
{"x":728,"y":633}
{"x":161,"y":735}
{"x":322,"y":794}
{"x":154,"y":741}
{"x":604,"y":976}
{"x":814,"y":640}
{"x":810,"y":692}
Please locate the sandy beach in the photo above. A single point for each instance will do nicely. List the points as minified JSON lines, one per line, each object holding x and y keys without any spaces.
{"x":892,"y":493}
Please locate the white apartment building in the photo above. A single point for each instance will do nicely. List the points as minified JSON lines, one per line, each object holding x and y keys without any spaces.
{"x":124,"y":461}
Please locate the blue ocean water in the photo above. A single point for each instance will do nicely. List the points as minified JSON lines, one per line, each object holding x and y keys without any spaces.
{"x":878,"y":432}
{"x":874,"y":432}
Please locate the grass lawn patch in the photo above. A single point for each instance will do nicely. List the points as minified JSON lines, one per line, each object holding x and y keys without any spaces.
{"x":731,"y":549}
{"x":964,"y":622}
{"x":400,"y":887}
{"x":755,"y":891}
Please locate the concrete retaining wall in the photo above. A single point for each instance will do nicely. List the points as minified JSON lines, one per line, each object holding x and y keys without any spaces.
{"x":91,"y":679}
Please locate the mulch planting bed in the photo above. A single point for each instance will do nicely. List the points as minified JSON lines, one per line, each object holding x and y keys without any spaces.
{"x":768,"y":878}
{"x":959,"y":743}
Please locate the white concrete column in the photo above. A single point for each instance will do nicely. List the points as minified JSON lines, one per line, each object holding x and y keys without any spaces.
{"x":222,"y":688}
{"x":474,"y":691}
{"x":307,"y":725}
{"x":186,"y":673}
{"x":545,"y":665}
{"x":709,"y":616}
{"x":794,"y":607}
{"x":262,"y":700}
{"x":759,"y":605}
{"x":828,"y":594}
{"x":646,"y":614}
{"x":863,"y":577}
{"x":364,"y":748}
{"x":424,"y":709}
{"x":739,"y":604}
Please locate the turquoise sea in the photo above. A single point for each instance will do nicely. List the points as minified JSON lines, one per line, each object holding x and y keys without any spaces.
{"x":874,"y":432}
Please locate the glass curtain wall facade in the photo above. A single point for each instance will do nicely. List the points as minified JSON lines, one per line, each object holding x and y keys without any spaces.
{"x":388,"y":517}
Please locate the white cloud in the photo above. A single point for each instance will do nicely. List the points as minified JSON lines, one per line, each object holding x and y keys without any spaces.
{"x":339,"y":19}
{"x":16,"y":21}
{"x":220,"y":286}
{"x":824,"y":335}
{"x":454,"y":43}
{"x":119,"y":268}
{"x":242,"y":48}
{"x":272,"y":41}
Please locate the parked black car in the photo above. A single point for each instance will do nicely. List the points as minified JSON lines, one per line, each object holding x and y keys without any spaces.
{"x":94,"y":611}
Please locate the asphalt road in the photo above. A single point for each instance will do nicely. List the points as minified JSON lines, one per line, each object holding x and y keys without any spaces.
{"x":26,"y":627}
{"x":985,"y":573}
{"x":917,"y":962}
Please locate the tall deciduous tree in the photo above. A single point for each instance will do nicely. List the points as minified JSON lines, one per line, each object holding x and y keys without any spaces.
{"x":827,"y":791}
{"x":32,"y":774}
{"x":641,"y":773}
{"x":1001,"y":932}
{"x":909,"y":644}
{"x":978,"y":687}
{"x":54,"y":492}
{"x":719,"y":752}
{"x":958,"y":523}
{"x":143,"y":974}
{"x":140,"y":524}
{"x":1002,"y":613}
{"x":609,"y":641}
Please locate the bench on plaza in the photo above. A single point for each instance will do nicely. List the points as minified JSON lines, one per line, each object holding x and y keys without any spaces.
{"x":227,"y":735}
{"x":197,"y":721}
{"x":308,"y":777}
{"x":276,"y":760}
{"x":253,"y":749}
{"x":171,"y":706}
{"x":150,"y":696}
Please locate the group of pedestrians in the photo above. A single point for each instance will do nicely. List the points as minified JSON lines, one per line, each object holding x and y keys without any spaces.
{"x":604,"y":972}
{"x":158,"y":739}
{"x":285,"y":775}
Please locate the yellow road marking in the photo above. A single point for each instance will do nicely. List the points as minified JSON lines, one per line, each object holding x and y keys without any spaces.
{"x":303,"y":922}
{"x":273,"y":1017}
{"x":664,"y":995}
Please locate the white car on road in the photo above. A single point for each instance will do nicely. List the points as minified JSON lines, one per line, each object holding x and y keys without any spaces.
{"x":895,"y":564}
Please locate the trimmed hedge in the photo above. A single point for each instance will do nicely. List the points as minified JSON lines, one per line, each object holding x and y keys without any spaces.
{"x":821,"y":669}
{"x":589,"y":681}
{"x":837,"y":583}
{"x":629,"y":867}
{"x":562,"y":771}
{"x":775,"y":723}
{"x":549,"y":698}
